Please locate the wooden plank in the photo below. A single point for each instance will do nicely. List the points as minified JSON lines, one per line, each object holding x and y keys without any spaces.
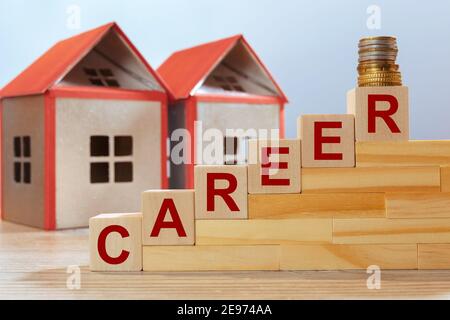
{"x":385,"y":231}
{"x":434,"y":256}
{"x":210,"y":258}
{"x":341,"y":257}
{"x":372,"y":179}
{"x":445,"y":178}
{"x":286,"y":231}
{"x":403,"y":153}
{"x":418,"y":205}
{"x":339,"y":205}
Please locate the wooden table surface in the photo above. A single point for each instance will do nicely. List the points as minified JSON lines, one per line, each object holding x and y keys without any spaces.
{"x":33,"y":265}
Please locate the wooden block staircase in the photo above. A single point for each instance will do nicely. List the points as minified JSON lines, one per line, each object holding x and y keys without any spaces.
{"x":390,"y":207}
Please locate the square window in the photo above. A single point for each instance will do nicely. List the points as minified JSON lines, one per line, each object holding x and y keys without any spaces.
{"x":123,"y":146}
{"x":106,"y":72}
{"x":17,"y":172}
{"x":17,"y":147}
{"x":27,"y":172}
{"x":90,"y":72}
{"x":123,"y":171}
{"x":26,"y":144}
{"x":99,"y":172}
{"x":112,"y":83}
{"x":96,"y":82}
{"x":99,"y":146}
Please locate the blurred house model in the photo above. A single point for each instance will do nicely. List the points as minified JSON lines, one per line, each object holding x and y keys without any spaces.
{"x":226,"y":86}
{"x":84,"y":131}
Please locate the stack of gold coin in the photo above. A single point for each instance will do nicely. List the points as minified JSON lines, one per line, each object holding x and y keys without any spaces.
{"x":377,"y":65}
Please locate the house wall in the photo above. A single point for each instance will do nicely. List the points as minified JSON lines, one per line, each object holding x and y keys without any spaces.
{"x":76,"y":121}
{"x":244,"y":116}
{"x":23,"y":203}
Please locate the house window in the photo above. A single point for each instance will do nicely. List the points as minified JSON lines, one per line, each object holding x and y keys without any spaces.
{"x":101,"y":77}
{"x":107,"y":166}
{"x":228,"y":83}
{"x":22,"y":159}
{"x":230,"y":150}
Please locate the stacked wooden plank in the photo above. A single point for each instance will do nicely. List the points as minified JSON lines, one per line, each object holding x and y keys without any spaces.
{"x":324,"y":203}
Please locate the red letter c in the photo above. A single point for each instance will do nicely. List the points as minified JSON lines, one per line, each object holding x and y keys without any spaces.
{"x":101,"y":244}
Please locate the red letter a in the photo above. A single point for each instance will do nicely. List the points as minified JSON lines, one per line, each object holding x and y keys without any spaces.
{"x":168,"y":205}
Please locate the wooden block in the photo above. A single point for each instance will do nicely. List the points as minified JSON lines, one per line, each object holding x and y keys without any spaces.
{"x":445,"y":178}
{"x":328,"y":140}
{"x":381,"y":113}
{"x":402,"y":153}
{"x":274,"y":166}
{"x":342,"y":257}
{"x":434,"y":256}
{"x":247,"y":232}
{"x":418,"y":205}
{"x":371,"y":179}
{"x":211,"y":258}
{"x":315,"y":205}
{"x":384,"y":231}
{"x":168,"y":217}
{"x":221,"y":192}
{"x":115,"y":242}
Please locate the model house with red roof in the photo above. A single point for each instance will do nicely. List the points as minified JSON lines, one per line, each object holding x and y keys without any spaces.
{"x":84,"y":131}
{"x":224,"y":85}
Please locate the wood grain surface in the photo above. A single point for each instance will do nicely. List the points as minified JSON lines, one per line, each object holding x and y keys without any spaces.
{"x":371,"y":179}
{"x":385,"y":231}
{"x":403,"y":153}
{"x":418,"y":205}
{"x":33,"y":265}
{"x":316,"y":205}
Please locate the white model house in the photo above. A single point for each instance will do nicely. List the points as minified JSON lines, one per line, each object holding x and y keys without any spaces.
{"x":84,"y":131}
{"x":226,"y":86}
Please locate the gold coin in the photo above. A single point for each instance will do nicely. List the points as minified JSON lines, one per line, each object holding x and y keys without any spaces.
{"x":382,"y":73}
{"x":381,"y":85}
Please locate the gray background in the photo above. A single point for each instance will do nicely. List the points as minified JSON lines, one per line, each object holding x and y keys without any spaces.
{"x":309,"y":46}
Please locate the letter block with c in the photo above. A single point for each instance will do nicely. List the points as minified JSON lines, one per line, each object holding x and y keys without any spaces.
{"x":220,"y":192}
{"x":381,"y":113}
{"x":115,"y":242}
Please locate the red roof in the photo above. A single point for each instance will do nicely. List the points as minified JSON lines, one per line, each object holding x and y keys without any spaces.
{"x":184,"y":69}
{"x":58,"y":60}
